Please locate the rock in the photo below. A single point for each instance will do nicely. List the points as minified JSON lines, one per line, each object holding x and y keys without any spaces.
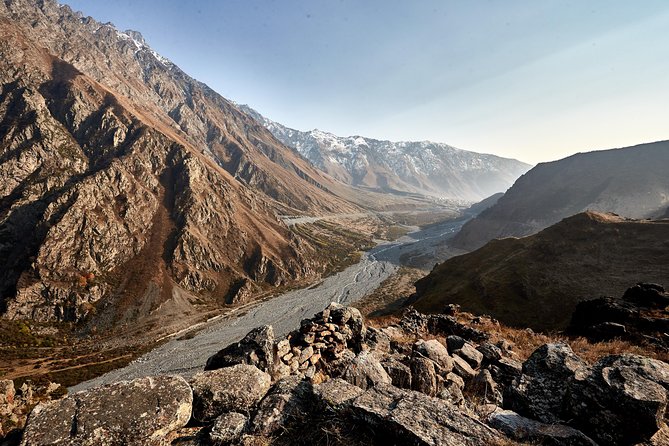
{"x":377,"y":340}
{"x":424,"y":376}
{"x":413,"y":322}
{"x":463,"y":369}
{"x":257,"y":349}
{"x":307,"y":353}
{"x":441,"y":324}
{"x":484,"y":388}
{"x":408,"y":417}
{"x":540,"y":391}
{"x":491,"y":353}
{"x":232,"y":389}
{"x":505,"y":371}
{"x":228,"y":428}
{"x":523,"y":429}
{"x":7,"y":393}
{"x":435,"y":351}
{"x":400,"y":374}
{"x":622,"y":400}
{"x":647,"y":294}
{"x":287,"y":399}
{"x":470,"y":354}
{"x":365,"y":371}
{"x":452,"y":389}
{"x":600,"y":310}
{"x":606,"y":331}
{"x":454,"y":342}
{"x":336,"y":393}
{"x":139,"y":412}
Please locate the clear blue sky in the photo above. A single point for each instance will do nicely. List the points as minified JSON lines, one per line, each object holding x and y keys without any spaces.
{"x":534,"y":80}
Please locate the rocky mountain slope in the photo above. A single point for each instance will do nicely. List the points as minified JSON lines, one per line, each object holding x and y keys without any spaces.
{"x":631,"y":182}
{"x":536,"y":281}
{"x":424,"y":380}
{"x":129,"y":188}
{"x":425,"y":167}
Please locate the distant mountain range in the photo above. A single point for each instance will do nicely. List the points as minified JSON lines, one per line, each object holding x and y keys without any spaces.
{"x":424,"y":167}
{"x":537,"y":281}
{"x":632,"y":182}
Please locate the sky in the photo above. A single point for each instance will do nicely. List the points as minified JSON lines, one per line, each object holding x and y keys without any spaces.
{"x":532,"y":80}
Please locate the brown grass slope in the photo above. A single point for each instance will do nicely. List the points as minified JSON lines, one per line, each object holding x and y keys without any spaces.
{"x":536,"y":281}
{"x":631,"y":182}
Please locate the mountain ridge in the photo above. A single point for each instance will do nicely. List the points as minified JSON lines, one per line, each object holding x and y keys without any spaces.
{"x":629,"y":181}
{"x":425,"y":167}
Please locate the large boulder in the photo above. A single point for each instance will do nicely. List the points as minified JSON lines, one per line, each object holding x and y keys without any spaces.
{"x":228,"y":428}
{"x":541,"y":389}
{"x":257,"y":348}
{"x":336,"y":393}
{"x":622,"y":400}
{"x":407,"y":417}
{"x":435,"y":351}
{"x":144,"y":411}
{"x":400,"y":373}
{"x":523,"y":429}
{"x":424,"y":376}
{"x":287,"y":399}
{"x":365,"y":371}
{"x":232,"y":389}
{"x":647,"y":294}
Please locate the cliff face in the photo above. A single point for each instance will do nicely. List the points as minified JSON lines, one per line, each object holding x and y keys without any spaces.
{"x":124,"y":181}
{"x":631,"y":182}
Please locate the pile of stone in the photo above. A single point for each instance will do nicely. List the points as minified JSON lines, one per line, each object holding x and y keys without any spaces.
{"x":428,"y":380}
{"x":15,"y":404}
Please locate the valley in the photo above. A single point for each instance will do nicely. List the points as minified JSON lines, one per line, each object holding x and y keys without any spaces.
{"x":185,"y":355}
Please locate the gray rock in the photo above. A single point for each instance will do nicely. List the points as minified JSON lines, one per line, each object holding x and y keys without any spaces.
{"x":491,"y":353}
{"x":540,"y":391}
{"x":454,"y":342}
{"x":452,"y":389}
{"x":424,"y":376}
{"x":622,"y":400}
{"x":485,"y":388}
{"x":365,"y":371}
{"x":139,"y":412}
{"x":435,"y":351}
{"x":441,"y":324}
{"x":231,"y":389}
{"x":287,"y":399}
{"x":471,"y":355}
{"x":523,"y":429}
{"x":257,"y":348}
{"x":228,"y":428}
{"x":400,"y":374}
{"x":463,"y":369}
{"x":505,"y":371}
{"x":408,"y":417}
{"x":336,"y":392}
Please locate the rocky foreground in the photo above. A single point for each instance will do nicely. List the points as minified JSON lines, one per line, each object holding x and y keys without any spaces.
{"x":425,"y":380}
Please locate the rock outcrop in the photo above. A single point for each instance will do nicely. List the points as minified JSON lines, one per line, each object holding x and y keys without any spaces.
{"x":638,"y":317}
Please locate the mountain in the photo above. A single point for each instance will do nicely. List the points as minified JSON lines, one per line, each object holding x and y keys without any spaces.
{"x":425,"y":167}
{"x":127,"y":188}
{"x":631,"y":182}
{"x":537,"y":281}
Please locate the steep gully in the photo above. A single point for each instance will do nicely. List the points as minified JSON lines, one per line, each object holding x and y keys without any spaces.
{"x":187,"y":356}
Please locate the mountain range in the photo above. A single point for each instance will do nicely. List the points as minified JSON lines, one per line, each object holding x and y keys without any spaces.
{"x":424,"y":167}
{"x":631,"y":182}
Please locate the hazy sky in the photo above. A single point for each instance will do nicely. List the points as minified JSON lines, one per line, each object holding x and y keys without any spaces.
{"x":534,"y":80}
